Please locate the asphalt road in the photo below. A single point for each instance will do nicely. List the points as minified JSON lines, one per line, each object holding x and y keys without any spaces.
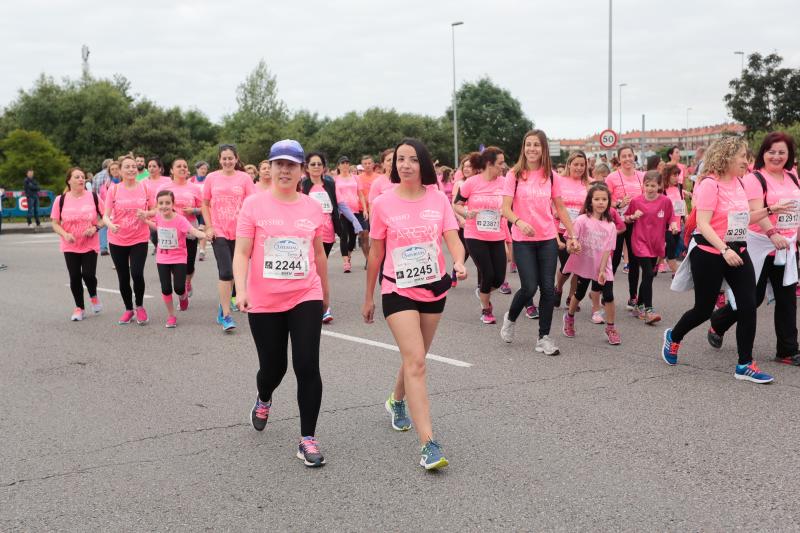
{"x":106,"y":427}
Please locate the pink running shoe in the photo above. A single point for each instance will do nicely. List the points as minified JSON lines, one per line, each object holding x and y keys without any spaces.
{"x":513,"y":268}
{"x":77,"y":315}
{"x":597,"y":317}
{"x":172,"y":322}
{"x":96,"y":305}
{"x":141,"y":316}
{"x":721,"y":301}
{"x":569,"y":325}
{"x":126,"y":318}
{"x":612,"y":335}
{"x":487,"y":317}
{"x":505,"y":288}
{"x":183,"y":303}
{"x":347,"y":265}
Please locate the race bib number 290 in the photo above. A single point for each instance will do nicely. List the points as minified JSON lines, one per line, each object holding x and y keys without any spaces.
{"x":286,"y":258}
{"x":737,"y":226}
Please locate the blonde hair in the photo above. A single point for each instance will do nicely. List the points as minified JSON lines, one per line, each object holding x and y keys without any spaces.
{"x":720,"y":154}
{"x":572,"y":157}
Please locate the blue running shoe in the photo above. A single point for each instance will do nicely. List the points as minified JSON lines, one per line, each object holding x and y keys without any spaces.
{"x":219,"y":314}
{"x":234,"y":307}
{"x":432,"y":456}
{"x":397,"y":408}
{"x":228,"y":324}
{"x":752,"y":373}
{"x":669,"y":352}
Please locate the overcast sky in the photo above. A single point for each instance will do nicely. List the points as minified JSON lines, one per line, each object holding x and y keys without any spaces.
{"x":335,"y":56}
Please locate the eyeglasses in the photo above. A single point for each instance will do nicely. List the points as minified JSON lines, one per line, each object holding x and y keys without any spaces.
{"x":317,"y":164}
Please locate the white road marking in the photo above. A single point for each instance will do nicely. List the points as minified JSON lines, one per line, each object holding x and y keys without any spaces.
{"x":49,"y":241}
{"x":368,"y":342}
{"x":112,"y":291}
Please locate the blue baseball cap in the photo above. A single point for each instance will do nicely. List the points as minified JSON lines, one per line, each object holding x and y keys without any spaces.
{"x":289,"y":150}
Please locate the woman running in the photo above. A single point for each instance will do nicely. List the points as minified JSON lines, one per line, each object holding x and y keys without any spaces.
{"x":479,"y":201}
{"x":126,"y":208}
{"x":465,"y":172}
{"x":573,"y":191}
{"x":408,"y":225}
{"x":154,"y":182}
{"x":252,"y":171}
{"x":281,"y":275}
{"x":347,"y":193}
{"x":772,"y":243}
{"x":224,"y":191}
{"x":76,"y":219}
{"x":719,"y":252}
{"x":264,"y":182}
{"x":201,"y":171}
{"x":530,"y":193}
{"x":674,"y":191}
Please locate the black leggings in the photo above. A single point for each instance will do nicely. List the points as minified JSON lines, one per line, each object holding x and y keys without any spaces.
{"x":191,"y":250}
{"x":583,"y":285}
{"x":490,"y":258}
{"x":327,"y":246}
{"x":563,"y":254}
{"x":708,"y":271}
{"x":672,"y":240}
{"x":464,"y":243}
{"x":271,"y":333}
{"x":633,"y":270}
{"x":785,"y":315}
{"x":648,"y":265}
{"x":82,"y":269}
{"x":129,"y":262}
{"x":166,"y":274}
{"x":223,"y":252}
{"x":347,"y":240}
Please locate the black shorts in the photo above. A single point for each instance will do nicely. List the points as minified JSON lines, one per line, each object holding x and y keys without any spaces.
{"x":364,"y":223}
{"x":394,"y":303}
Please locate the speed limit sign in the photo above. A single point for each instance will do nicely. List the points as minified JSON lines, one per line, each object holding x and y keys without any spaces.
{"x":608,"y":138}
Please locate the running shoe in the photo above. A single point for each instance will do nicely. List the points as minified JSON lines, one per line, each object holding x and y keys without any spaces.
{"x":721,"y":301}
{"x":752,"y":373}
{"x":669,"y":351}
{"x":513,"y":267}
{"x":228,"y":324}
{"x":626,"y":269}
{"x":793,"y":360}
{"x":219,"y":314}
{"x":347,"y":265}
{"x":141,"y":316}
{"x":714,"y":339}
{"x":569,"y":325}
{"x":397,"y":409}
{"x":77,"y":315}
{"x":432,"y":456}
{"x":612,"y":335}
{"x":126,"y":318}
{"x":234,"y":307}
{"x":96,"y":305}
{"x":631,"y":304}
{"x":308,"y":452}
{"x":650,"y":317}
{"x":638,"y":312}
{"x":598,"y":317}
{"x":505,"y":288}
{"x":546,"y":346}
{"x":183,"y":303}
{"x":202,"y":255}
{"x":327,"y":317}
{"x":558,"y":299}
{"x":507,"y":330}
{"x":172,"y":322}
{"x":532,"y":312}
{"x":104,"y":252}
{"x":487,"y":317}
{"x":260,"y":414}
{"x":662,"y":267}
{"x":189,"y":291}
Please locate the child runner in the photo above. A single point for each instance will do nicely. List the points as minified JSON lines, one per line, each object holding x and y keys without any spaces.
{"x":674,"y":191}
{"x":76,"y":219}
{"x":408,"y":225}
{"x":597,"y":235}
{"x":171,"y":229}
{"x":573,"y":191}
{"x":282,"y":281}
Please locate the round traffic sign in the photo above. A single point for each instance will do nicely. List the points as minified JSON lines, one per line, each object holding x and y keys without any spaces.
{"x":608,"y":138}
{"x":23,"y":203}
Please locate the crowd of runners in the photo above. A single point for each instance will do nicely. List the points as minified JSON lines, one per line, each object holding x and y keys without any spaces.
{"x":725,"y":227}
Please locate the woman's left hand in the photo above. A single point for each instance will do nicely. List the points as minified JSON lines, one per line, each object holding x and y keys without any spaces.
{"x":461,"y":271}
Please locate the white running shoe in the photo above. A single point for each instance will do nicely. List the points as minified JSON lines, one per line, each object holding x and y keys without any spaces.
{"x":546,"y":346}
{"x":507,"y":330}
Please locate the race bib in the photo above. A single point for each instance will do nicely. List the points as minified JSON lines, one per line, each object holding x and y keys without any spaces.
{"x":488,"y":221}
{"x":416,"y":264}
{"x":679,"y":208}
{"x":737,"y":226}
{"x":621,"y":211}
{"x":324,"y":200}
{"x":286,"y":258}
{"x":573,"y":213}
{"x":167,"y":238}
{"x":789,"y":221}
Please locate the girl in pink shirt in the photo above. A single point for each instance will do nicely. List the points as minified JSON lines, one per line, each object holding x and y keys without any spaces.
{"x":573,"y":192}
{"x":224,"y":192}
{"x":126,"y":209}
{"x":651,"y":215}
{"x":171,"y":252}
{"x":597,"y":235}
{"x":154,"y":182}
{"x":76,"y":219}
{"x":674,"y":191}
{"x":409,"y":223}
{"x":281,"y":273}
{"x":530,"y":192}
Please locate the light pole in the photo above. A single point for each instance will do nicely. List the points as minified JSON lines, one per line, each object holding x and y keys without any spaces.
{"x":610,"y":10}
{"x":687,"y":120}
{"x":621,"y":85}
{"x":455,"y":116}
{"x":740,"y":53}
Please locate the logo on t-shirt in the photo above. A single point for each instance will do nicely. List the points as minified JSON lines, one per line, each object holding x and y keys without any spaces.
{"x":430,"y":214}
{"x":269,"y":222}
{"x":304,"y":224}
{"x":398,"y":218}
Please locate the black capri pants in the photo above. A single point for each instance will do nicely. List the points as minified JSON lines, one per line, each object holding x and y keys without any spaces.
{"x":172,"y":275}
{"x":223,"y":252}
{"x":490,"y":258}
{"x":607,"y":289}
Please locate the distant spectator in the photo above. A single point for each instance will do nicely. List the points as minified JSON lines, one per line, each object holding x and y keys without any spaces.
{"x":100,"y":179}
{"x":31,"y":188}
{"x":140,"y":167}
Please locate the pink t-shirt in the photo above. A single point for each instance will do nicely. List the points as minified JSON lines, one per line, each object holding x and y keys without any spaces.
{"x":380,"y":185}
{"x":447,"y":189}
{"x":619,"y":222}
{"x":226,"y":194}
{"x":319,"y":194}
{"x":189,"y":195}
{"x":152,"y":186}
{"x":622,"y":186}
{"x":286,"y":231}
{"x":365,"y":184}
{"x":776,"y":192}
{"x":171,"y":248}
{"x":648,"y":238}
{"x":532,"y":203}
{"x":347,"y":192}
{"x":678,"y":204}
{"x":573,"y":194}
{"x":485,"y":197}
{"x":596,"y":237}
{"x":79,"y":215}
{"x":405,"y":223}
{"x":727,"y":201}
{"x":123,"y":203}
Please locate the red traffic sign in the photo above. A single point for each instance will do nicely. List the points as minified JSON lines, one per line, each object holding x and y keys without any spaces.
{"x":23,"y":203}
{"x":609,"y":138}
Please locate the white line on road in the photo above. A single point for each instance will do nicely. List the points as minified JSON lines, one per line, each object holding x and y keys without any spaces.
{"x":42,"y":241}
{"x":368,"y":342}
{"x":112,"y":291}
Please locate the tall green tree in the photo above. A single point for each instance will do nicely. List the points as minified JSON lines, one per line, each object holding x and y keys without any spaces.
{"x":21,"y":150}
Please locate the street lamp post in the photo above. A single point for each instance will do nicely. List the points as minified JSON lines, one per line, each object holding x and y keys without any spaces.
{"x":621,"y":85}
{"x":687,"y":120}
{"x":740,"y":53}
{"x":455,"y":116}
{"x":610,"y":10}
